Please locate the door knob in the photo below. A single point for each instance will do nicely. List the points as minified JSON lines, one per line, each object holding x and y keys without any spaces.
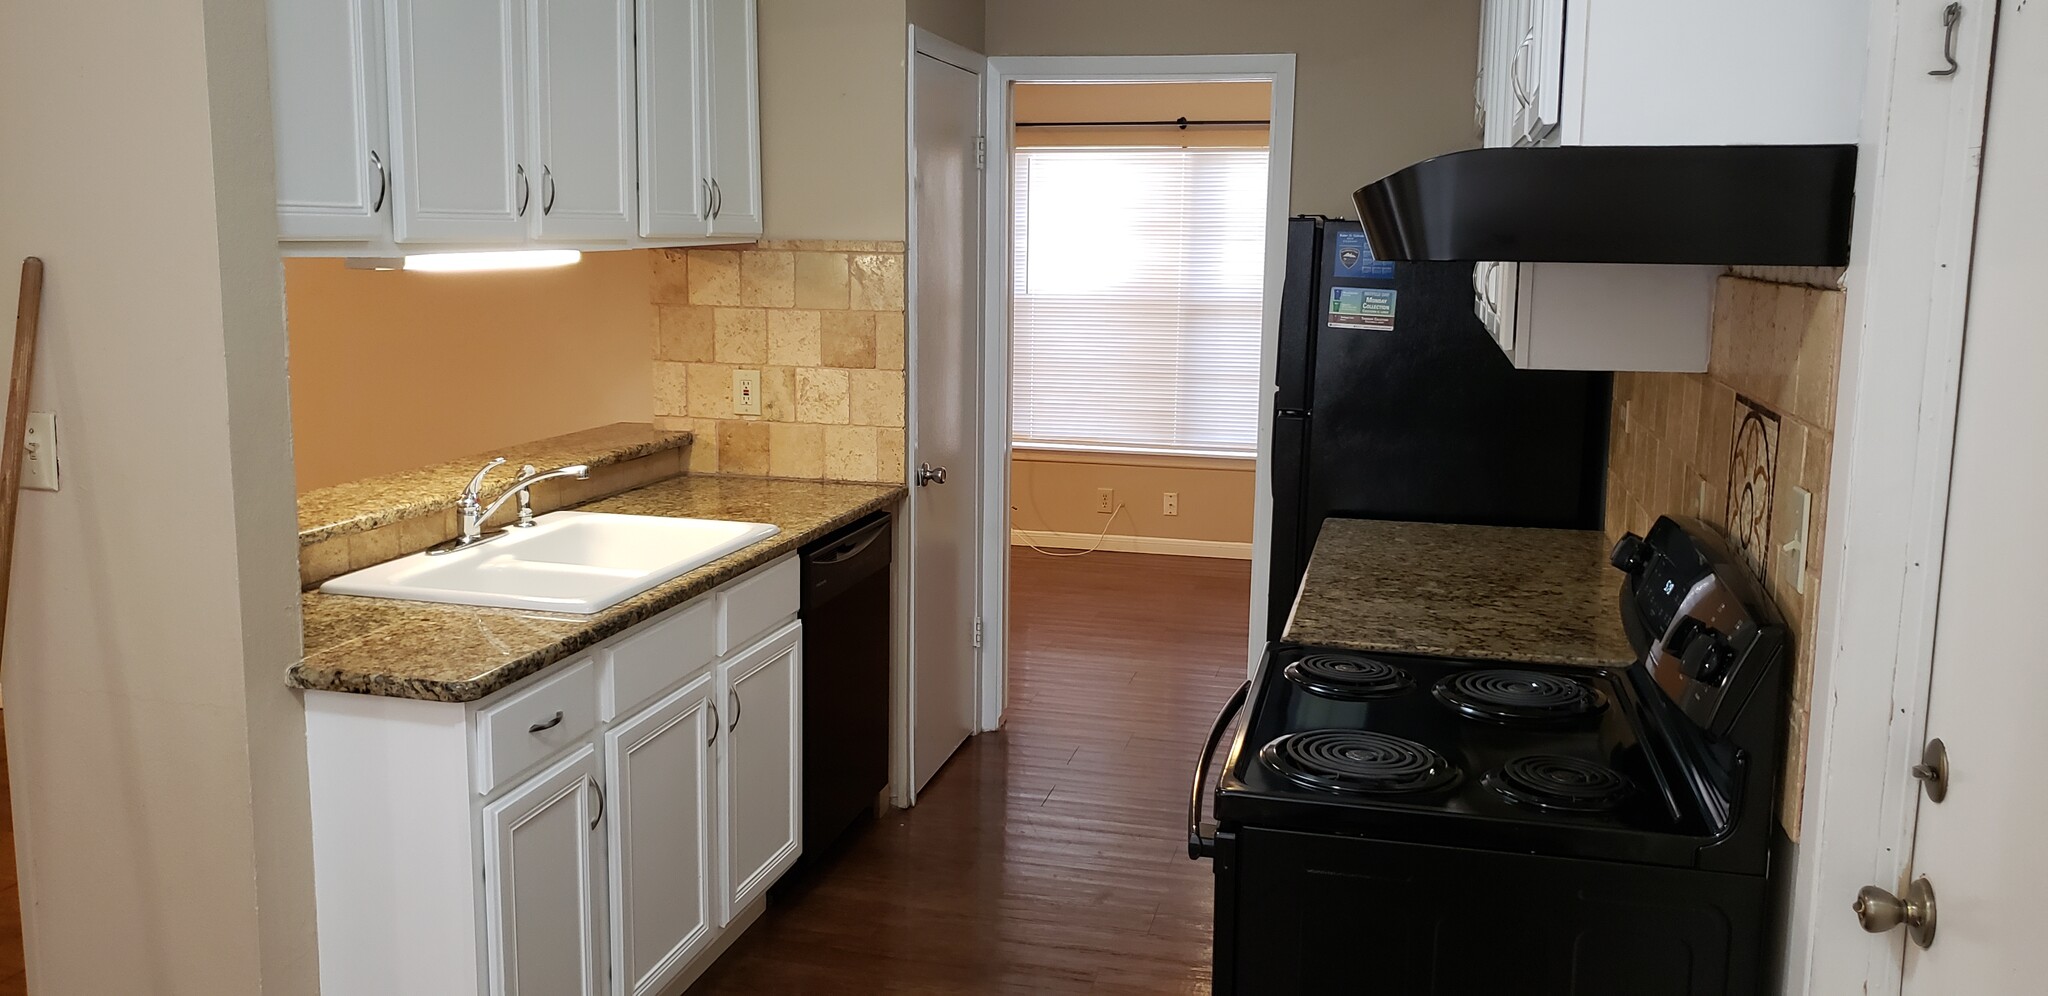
{"x":1879,"y":911}
{"x":928,"y":474}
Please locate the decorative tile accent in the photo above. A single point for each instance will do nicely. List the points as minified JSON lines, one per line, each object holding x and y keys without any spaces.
{"x":1752,"y":474}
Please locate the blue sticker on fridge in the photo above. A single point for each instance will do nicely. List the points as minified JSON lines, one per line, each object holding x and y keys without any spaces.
{"x":1354,"y":258}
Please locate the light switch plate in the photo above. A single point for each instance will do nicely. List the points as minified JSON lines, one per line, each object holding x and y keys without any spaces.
{"x":39,"y":453}
{"x":746,"y":392}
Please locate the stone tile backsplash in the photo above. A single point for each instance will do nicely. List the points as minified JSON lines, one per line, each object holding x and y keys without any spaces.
{"x":821,"y":321}
{"x":1736,"y":446}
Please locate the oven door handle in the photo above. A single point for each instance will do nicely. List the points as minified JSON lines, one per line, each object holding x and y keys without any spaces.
{"x":1202,"y":845}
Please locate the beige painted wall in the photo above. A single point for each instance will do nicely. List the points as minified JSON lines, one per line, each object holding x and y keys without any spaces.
{"x":832,"y":125}
{"x":1112,"y":102}
{"x":1379,"y":83}
{"x":958,"y":21}
{"x":1056,"y":493}
{"x":392,"y":370}
{"x":157,"y":759}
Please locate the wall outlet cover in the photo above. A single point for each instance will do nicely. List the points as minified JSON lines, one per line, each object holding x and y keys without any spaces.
{"x":1169,"y":503}
{"x":1105,"y":499}
{"x":746,"y":392}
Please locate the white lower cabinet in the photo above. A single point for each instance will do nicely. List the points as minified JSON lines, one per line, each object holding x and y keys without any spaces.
{"x":544,"y":883}
{"x":664,"y":837}
{"x":763,"y":765}
{"x":600,"y":829}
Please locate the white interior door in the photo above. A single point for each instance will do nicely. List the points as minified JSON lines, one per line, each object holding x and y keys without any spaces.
{"x":945,"y":315}
{"x":1981,"y":846}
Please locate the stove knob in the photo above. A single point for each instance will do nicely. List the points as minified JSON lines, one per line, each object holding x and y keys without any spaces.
{"x":1627,"y":554}
{"x":1706,"y":657}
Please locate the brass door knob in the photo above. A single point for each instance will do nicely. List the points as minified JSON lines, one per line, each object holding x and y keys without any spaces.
{"x":1879,"y":911}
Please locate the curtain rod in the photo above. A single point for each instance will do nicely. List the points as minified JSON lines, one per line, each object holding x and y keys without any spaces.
{"x":1181,"y":123}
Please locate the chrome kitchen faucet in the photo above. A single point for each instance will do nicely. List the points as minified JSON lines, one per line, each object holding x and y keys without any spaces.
{"x":474,"y":513}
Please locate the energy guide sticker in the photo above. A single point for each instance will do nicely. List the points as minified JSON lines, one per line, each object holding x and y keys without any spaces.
{"x":1367,"y":308}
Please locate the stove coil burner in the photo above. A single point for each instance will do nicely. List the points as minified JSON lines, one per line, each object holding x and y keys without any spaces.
{"x":1358,"y":762}
{"x":1519,"y":696}
{"x":1549,"y":781}
{"x":1346,"y":676}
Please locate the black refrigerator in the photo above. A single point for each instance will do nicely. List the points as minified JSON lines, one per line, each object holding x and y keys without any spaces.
{"x":1392,"y":402}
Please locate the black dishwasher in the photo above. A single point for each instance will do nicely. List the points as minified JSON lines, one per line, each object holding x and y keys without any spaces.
{"x":846,"y":615}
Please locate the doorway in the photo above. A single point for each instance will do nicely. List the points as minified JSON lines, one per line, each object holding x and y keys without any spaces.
{"x":1136,"y":225}
{"x":1136,"y":246}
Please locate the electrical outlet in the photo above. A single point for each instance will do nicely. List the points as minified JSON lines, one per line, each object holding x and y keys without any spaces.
{"x":746,"y":392}
{"x":1105,"y":499}
{"x":39,"y":453}
{"x":1169,"y":503}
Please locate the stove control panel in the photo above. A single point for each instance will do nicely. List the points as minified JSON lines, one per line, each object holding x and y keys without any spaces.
{"x":1713,"y":633}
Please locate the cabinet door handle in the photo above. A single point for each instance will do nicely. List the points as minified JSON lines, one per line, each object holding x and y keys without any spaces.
{"x":713,"y":706}
{"x":383,"y":181}
{"x":549,"y":725}
{"x":705,"y":184}
{"x":599,"y":818}
{"x":735,"y":695}
{"x":717,"y":199}
{"x":525,"y":190}
{"x":547,"y":187}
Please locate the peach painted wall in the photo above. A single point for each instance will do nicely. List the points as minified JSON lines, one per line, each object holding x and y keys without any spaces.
{"x":392,"y":370}
{"x":1056,"y":492}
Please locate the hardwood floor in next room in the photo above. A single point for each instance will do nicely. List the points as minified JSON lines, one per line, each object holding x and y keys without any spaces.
{"x":1050,"y":856}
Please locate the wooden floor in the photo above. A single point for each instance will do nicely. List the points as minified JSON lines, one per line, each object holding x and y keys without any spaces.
{"x":1048,"y":857}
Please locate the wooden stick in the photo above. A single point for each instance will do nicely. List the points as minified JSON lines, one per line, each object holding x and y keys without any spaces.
{"x":27,"y":315}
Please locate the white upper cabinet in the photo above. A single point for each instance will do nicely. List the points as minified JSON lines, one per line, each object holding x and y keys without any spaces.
{"x":1624,"y":72}
{"x":700,"y":132}
{"x":407,"y":125}
{"x":733,"y":113}
{"x":459,"y":73}
{"x":675,"y":189}
{"x":584,"y":125}
{"x":327,"y":98}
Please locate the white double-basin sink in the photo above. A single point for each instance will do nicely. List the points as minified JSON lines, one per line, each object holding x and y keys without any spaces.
{"x":580,"y":562}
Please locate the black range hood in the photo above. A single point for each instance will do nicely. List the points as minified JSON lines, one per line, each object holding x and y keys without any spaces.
{"x":1764,"y":205}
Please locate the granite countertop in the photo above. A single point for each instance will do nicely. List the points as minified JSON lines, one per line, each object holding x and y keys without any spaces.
{"x":460,"y":653}
{"x":360,"y":506}
{"x":1484,"y":592}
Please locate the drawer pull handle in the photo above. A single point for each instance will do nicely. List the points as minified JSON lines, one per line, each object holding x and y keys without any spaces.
{"x":549,"y":725}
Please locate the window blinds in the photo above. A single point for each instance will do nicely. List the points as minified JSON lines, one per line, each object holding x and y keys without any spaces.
{"x":1136,"y":299}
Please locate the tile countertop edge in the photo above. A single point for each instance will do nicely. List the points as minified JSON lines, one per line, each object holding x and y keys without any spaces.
{"x":360,"y":506}
{"x":325,"y":669}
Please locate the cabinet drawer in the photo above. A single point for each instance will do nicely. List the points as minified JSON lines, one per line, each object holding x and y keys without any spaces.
{"x":535,"y":724}
{"x":659,"y":655}
{"x":753,"y":606}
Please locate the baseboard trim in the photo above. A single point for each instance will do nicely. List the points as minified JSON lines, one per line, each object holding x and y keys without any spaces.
{"x":1216,"y":549}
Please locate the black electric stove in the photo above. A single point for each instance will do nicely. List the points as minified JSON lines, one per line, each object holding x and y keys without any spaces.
{"x":1402,"y":824}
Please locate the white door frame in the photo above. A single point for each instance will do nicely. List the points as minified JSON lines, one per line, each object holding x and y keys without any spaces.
{"x":1902,"y":341}
{"x":1277,"y":69}
{"x":903,"y":780}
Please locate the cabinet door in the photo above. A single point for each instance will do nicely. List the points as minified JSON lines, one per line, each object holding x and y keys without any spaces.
{"x":459,"y":68}
{"x":733,"y":114}
{"x":1542,"y":72}
{"x":762,"y":764}
{"x":543,"y":875}
{"x":327,"y":106}
{"x":583,"y":118}
{"x":675,"y":191}
{"x":663,"y":835}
